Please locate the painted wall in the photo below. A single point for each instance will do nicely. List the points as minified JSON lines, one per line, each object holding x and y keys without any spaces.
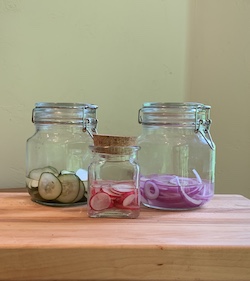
{"x":219,"y":75}
{"x":116,"y":54}
{"x":119,"y":54}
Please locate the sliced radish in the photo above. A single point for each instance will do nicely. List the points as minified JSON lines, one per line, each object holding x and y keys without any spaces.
{"x":100,"y":201}
{"x":113,"y":195}
{"x":130,"y":207}
{"x":151,"y":190}
{"x":118,"y":193}
{"x":128,"y":200}
{"x":122,"y":187}
{"x":110,"y":192}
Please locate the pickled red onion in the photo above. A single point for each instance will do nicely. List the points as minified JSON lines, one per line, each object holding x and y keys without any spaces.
{"x":151,"y":190}
{"x":189,"y":200}
{"x":197,"y":176}
{"x":175,"y":192}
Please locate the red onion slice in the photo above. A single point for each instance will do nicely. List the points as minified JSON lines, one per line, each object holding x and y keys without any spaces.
{"x":191,"y":202}
{"x":151,"y":190}
{"x":197,"y":176}
{"x":174,"y":192}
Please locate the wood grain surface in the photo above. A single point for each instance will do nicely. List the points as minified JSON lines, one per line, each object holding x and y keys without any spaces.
{"x":50,"y":243}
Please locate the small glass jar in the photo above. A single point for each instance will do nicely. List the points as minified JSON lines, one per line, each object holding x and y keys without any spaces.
{"x":57,"y":155}
{"x":114,"y":182}
{"x":177,"y":156}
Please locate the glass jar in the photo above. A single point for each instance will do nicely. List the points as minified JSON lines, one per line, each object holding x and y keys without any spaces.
{"x":177,"y":156}
{"x":114,"y":182}
{"x":57,"y":155}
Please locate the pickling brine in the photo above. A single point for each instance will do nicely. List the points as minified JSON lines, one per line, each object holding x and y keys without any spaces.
{"x":49,"y":186}
{"x":113,"y":178}
{"x":113,"y":198}
{"x":174,"y":192}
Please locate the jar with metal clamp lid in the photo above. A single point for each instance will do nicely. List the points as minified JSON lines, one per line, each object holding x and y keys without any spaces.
{"x":57,"y":155}
{"x":177,"y":155}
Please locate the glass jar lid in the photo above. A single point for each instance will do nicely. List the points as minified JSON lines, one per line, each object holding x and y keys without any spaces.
{"x":173,"y":114}
{"x":64,"y":113}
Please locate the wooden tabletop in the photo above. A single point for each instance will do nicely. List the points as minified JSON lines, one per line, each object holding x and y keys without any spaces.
{"x":50,"y":243}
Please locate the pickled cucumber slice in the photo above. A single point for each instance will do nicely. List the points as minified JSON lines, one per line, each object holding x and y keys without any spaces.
{"x":49,"y":187}
{"x":31,"y":183}
{"x":52,"y":169}
{"x":66,"y":172}
{"x":80,"y":193}
{"x":70,"y":188}
{"x":36,"y":173}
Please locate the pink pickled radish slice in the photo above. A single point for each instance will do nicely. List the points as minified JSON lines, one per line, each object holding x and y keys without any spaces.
{"x":110,"y":192}
{"x":130,"y":207}
{"x":191,"y":202}
{"x":128,"y":200}
{"x":100,"y":201}
{"x":122,"y":188}
{"x":151,"y":190}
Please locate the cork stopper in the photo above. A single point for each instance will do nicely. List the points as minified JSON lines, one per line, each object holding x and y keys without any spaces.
{"x":107,"y":140}
{"x":114,"y":144}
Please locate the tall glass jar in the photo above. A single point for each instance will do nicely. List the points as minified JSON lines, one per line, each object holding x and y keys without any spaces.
{"x":57,"y":155}
{"x":114,"y":182}
{"x":177,"y":156}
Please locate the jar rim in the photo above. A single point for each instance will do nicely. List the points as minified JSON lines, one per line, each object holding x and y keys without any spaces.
{"x":65,"y":105}
{"x":83,"y":114}
{"x":184,"y":114}
{"x":191,"y":105}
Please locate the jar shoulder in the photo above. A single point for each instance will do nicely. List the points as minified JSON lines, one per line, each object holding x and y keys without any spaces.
{"x":63,"y":136}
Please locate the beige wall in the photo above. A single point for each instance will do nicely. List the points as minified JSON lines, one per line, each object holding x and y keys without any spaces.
{"x":219,"y":74}
{"x":119,"y":54}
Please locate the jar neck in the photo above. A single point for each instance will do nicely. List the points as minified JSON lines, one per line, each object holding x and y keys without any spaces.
{"x":115,"y":157}
{"x":55,"y":127}
{"x":162,"y":129}
{"x":173,"y":131}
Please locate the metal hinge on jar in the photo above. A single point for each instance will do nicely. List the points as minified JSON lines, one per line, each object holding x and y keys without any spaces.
{"x":90,"y":125}
{"x":202,"y":126}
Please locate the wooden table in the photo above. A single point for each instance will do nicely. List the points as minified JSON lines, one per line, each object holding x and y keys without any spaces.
{"x":48,"y":243}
